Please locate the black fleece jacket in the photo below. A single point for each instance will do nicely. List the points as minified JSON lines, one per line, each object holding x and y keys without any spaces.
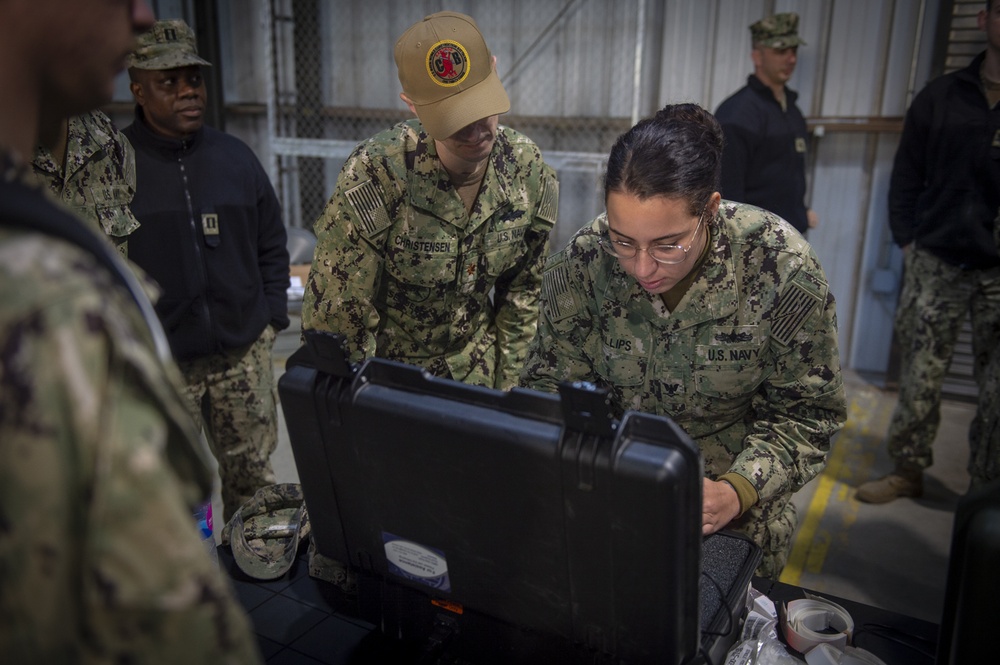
{"x":944,"y":194}
{"x":212,"y":238}
{"x":764,"y":158}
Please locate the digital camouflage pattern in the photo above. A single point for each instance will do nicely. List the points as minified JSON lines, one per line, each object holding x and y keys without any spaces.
{"x":232,"y":395}
{"x":100,"y":473}
{"x":264,"y":533}
{"x":169,"y":44}
{"x":777,"y":31}
{"x":933,"y":305}
{"x":984,"y":433}
{"x":405,"y":273}
{"x":747,"y":363}
{"x":984,"y":463}
{"x":98,"y":180}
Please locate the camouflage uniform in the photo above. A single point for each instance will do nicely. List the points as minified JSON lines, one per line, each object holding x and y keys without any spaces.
{"x":405,"y":273}
{"x":984,"y":463}
{"x":984,"y":433}
{"x":747,"y":363}
{"x":943,"y":200}
{"x":935,"y":298}
{"x":242,"y":431}
{"x":97,"y":180}
{"x":100,"y":471}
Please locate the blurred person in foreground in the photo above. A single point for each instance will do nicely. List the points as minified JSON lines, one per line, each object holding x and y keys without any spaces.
{"x":100,"y":469}
{"x":715,"y":314}
{"x":430,"y":250}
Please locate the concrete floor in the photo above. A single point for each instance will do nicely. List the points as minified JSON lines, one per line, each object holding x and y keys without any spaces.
{"x":892,"y":556}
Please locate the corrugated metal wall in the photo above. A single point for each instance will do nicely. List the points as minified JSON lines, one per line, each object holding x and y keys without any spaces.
{"x":578,"y":73}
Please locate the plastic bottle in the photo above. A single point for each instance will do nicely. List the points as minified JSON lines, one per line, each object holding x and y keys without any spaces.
{"x":204,"y":518}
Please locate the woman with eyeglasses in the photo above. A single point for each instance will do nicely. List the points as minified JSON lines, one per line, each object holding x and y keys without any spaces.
{"x":716,"y":314}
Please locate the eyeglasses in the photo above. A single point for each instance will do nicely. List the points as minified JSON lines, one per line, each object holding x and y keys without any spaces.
{"x":667,"y":254}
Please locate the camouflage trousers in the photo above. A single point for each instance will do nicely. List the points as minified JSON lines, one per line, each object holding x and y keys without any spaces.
{"x":932,"y":307}
{"x":234,"y":398}
{"x":984,"y":434}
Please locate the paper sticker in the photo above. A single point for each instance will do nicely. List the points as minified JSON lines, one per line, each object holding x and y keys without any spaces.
{"x":415,"y":562}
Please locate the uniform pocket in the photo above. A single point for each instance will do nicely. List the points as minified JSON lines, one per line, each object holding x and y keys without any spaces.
{"x":418,"y":278}
{"x":623,"y":369}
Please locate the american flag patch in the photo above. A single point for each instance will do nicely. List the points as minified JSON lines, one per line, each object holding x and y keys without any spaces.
{"x":548,"y":207}
{"x":555,"y":288}
{"x":369,"y":205}
{"x":795,"y":305}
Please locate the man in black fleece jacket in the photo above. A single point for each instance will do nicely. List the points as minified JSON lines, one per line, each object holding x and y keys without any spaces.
{"x":764,"y":158}
{"x":944,"y":200}
{"x":213,"y":240}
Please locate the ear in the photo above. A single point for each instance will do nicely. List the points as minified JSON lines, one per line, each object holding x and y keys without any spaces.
{"x":757,"y":57}
{"x":408,"y":102}
{"x":136,"y":88}
{"x":981,"y":20}
{"x":713,"y":205}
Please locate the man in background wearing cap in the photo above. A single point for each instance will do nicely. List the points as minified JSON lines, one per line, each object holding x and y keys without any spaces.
{"x":213,"y":240}
{"x":100,"y":464}
{"x":764,"y":158}
{"x":431,"y":249}
{"x":944,"y":208}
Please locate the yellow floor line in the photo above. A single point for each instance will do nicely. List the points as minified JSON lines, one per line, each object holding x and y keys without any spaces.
{"x":811,"y":544}
{"x":808,"y":548}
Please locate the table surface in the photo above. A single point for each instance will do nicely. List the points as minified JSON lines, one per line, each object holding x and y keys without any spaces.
{"x":300,"y":620}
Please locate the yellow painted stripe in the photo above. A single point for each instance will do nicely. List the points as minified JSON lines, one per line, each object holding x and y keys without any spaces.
{"x":811,"y":543}
{"x":807,"y":547}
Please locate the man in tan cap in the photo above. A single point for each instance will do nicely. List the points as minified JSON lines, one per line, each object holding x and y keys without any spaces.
{"x":431,"y":249}
{"x":764,"y":159}
{"x":212,"y":238}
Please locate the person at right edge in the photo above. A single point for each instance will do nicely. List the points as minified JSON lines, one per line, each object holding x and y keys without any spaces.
{"x":764,"y":158}
{"x":100,"y":464}
{"x":944,"y":197}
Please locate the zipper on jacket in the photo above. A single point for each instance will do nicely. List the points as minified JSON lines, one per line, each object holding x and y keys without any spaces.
{"x":198,"y":250}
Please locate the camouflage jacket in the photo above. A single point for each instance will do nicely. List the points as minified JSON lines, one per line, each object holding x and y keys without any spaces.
{"x":99,"y":177}
{"x":747,"y":363}
{"x":100,"y":470}
{"x":405,"y":273}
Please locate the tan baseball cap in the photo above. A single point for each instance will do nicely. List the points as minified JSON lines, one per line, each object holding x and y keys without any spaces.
{"x":446,"y":70}
{"x":167,"y":45}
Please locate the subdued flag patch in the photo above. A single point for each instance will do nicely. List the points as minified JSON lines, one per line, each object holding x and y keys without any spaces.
{"x":548,"y":205}
{"x":555,"y":288}
{"x":796,"y":304}
{"x":369,"y":205}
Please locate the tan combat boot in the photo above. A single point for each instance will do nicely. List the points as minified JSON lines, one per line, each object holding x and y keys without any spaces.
{"x":901,"y":482}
